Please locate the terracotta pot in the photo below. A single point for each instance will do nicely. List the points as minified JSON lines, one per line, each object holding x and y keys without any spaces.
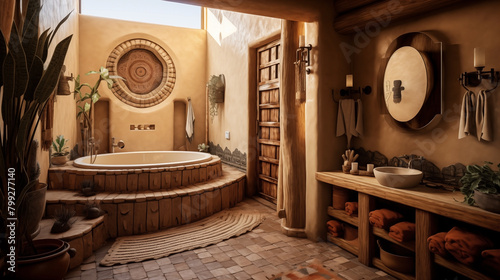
{"x":51,"y":262}
{"x":340,"y":197}
{"x":60,"y":160}
{"x":488,"y":202}
{"x":36,"y":201}
{"x":396,"y":258}
{"x":350,"y":232}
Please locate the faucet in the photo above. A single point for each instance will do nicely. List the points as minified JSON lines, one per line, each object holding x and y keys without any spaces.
{"x":120,"y":144}
{"x":410,"y":158}
{"x":92,"y":149}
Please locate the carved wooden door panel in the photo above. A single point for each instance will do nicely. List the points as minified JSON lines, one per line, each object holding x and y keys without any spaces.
{"x":268,"y":119}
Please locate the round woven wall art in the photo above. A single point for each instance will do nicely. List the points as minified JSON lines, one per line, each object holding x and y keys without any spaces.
{"x":148,"y":70}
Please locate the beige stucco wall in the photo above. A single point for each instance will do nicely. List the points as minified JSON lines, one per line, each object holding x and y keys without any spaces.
{"x":231,"y":58}
{"x":64,"y":107}
{"x":99,"y":36}
{"x":461,"y":33}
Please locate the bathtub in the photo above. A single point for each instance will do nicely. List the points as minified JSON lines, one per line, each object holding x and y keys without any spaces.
{"x":146,"y":159}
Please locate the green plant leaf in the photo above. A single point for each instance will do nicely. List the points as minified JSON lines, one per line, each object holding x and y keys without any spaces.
{"x":95,"y":97}
{"x":30,"y":31}
{"x":42,"y":42}
{"x":58,"y":26}
{"x":35,"y":75}
{"x":55,"y":147}
{"x":51,"y":76}
{"x":86,"y":107}
{"x":32,"y":15}
{"x":20,"y":65}
{"x":3,"y":54}
{"x":8,"y":88}
{"x":25,"y":126}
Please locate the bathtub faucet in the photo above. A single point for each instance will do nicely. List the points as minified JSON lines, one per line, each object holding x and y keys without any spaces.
{"x":410,"y":158}
{"x":120,"y":144}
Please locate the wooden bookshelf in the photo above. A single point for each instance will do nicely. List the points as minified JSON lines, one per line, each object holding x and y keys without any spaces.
{"x":342,"y":215}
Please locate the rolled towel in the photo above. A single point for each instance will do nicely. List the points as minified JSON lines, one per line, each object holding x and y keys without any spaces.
{"x":402,"y":231}
{"x":466,"y":246}
{"x":436,"y":244}
{"x":335,"y":228}
{"x":383,"y":218}
{"x":491,"y":261}
{"x":351,"y":208}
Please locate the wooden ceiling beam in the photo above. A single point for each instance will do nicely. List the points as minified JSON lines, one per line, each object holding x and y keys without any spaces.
{"x":295,"y":10}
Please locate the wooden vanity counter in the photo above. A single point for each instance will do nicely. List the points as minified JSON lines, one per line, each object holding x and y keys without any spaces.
{"x":441,"y":202}
{"x":430,"y":206}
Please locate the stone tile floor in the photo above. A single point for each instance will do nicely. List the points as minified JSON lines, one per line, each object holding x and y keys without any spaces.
{"x":259,"y":254}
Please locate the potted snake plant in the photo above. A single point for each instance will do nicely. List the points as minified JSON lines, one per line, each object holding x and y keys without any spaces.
{"x":26,"y":83}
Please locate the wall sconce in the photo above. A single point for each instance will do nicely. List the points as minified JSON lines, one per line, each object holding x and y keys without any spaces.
{"x":349,"y":91}
{"x":303,"y":54}
{"x":474,"y":79}
{"x":63,"y":84}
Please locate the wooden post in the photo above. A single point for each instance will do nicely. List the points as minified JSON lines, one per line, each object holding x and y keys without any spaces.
{"x":7,"y":8}
{"x":292,"y":135}
{"x":424,"y":226}
{"x":365,"y":235}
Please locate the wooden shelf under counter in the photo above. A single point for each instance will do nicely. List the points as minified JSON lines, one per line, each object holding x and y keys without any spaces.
{"x":410,"y":245}
{"x":350,"y":246}
{"x":460,"y":268}
{"x":342,"y":215}
{"x":429,"y":206}
{"x":380,"y":265}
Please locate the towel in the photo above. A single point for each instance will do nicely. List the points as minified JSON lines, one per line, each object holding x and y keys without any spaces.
{"x":466,"y":246}
{"x":346,"y":120}
{"x":335,"y":228}
{"x":467,"y":125}
{"x":351,"y":208}
{"x":383,"y":218}
{"x":491,"y":261}
{"x":402,"y":231}
{"x":190,"y":122}
{"x":436,"y":244}
{"x":483,"y":122}
{"x":359,"y":118}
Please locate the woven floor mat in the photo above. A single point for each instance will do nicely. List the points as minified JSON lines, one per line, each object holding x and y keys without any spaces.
{"x":211,"y":230}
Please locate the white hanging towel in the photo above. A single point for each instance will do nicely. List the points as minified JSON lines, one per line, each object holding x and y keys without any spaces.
{"x":483,"y":123}
{"x":190,"y":122}
{"x":346,"y":120}
{"x":467,"y":124}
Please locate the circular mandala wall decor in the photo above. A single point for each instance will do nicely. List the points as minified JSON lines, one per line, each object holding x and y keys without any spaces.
{"x":148,"y":70}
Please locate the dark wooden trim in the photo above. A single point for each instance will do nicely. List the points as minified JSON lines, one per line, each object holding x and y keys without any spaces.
{"x":269,"y":142}
{"x":270,"y":160}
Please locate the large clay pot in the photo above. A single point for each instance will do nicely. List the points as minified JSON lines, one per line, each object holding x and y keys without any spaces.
{"x":487,"y":201}
{"x":339,"y":198}
{"x":36,"y":201}
{"x":50,"y":263}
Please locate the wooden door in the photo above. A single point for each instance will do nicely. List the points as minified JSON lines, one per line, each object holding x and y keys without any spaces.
{"x":268,"y":119}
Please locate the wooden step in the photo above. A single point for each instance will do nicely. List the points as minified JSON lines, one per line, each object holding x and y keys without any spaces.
{"x":148,"y":211}
{"x":85,"y":236}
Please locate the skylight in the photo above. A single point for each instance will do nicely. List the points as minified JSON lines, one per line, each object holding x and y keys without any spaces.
{"x":148,"y":11}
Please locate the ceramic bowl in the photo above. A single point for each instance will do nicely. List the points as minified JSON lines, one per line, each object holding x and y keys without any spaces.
{"x":398,"y":177}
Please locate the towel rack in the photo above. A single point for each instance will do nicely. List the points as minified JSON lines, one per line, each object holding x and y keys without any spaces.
{"x":350,"y":93}
{"x":473,"y":79}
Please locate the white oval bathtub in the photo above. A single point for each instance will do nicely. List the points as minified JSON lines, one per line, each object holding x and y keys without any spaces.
{"x":149,"y":159}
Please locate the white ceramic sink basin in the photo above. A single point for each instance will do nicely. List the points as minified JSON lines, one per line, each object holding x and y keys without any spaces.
{"x":397,"y":177}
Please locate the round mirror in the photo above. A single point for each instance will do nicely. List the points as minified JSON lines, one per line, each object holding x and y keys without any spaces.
{"x":408,"y":81}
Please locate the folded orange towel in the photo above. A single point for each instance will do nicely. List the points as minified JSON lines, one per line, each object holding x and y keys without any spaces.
{"x":466,"y":246}
{"x":491,"y":261}
{"x":402,"y":231}
{"x":436,"y":244}
{"x":335,"y":228}
{"x":383,"y":218}
{"x":351,"y":208}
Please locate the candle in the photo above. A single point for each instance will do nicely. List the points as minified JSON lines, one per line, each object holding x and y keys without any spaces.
{"x":479,"y":57}
{"x":369,"y":167}
{"x":348,"y":80}
{"x":302,"y":41}
{"x":354,"y":166}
